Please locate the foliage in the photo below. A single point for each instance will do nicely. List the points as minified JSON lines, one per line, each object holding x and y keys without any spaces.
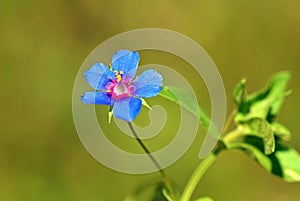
{"x":259,"y":135}
{"x":256,"y":132}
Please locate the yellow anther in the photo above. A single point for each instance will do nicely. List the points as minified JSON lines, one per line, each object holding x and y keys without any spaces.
{"x":118,"y":76}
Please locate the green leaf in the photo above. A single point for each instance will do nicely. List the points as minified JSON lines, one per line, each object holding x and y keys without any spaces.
{"x":289,"y":160}
{"x":205,"y":199}
{"x":258,"y":135}
{"x":239,"y":94}
{"x":281,"y":131}
{"x":265,"y":103}
{"x":167,"y":93}
{"x":254,"y":153}
{"x":277,"y":88}
{"x":284,"y":162}
{"x":274,"y":90}
{"x":187,"y":101}
{"x":260,"y":128}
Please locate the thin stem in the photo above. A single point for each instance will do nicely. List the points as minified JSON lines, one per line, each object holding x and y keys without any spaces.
{"x":197,"y":175}
{"x":145,"y":149}
{"x":155,"y":162}
{"x":228,"y":121}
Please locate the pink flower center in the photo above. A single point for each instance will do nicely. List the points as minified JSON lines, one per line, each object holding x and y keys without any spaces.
{"x":119,"y":90}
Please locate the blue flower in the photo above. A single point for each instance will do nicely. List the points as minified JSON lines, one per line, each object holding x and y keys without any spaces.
{"x":116,"y":86}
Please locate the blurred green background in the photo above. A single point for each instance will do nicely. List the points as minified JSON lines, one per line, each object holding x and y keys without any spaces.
{"x":42,"y":46}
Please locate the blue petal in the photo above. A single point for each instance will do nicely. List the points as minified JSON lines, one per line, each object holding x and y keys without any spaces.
{"x":126,"y":61}
{"x":148,"y":84}
{"x":96,"y":98}
{"x":127,"y":108}
{"x":98,"y":76}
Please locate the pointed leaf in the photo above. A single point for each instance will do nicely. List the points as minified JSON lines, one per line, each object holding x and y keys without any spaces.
{"x":239,"y":92}
{"x":187,"y":100}
{"x":265,"y":103}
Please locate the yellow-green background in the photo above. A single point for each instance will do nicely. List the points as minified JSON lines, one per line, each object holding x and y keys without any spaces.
{"x":42,"y":46}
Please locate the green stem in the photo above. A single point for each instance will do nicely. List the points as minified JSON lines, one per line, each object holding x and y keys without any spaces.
{"x":161,"y":171}
{"x":197,"y":175}
{"x":232,"y":136}
{"x":228,"y":122}
{"x":205,"y":164}
{"x":209,"y":160}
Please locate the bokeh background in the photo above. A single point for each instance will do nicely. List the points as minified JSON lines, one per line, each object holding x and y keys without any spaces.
{"x":42,"y":46}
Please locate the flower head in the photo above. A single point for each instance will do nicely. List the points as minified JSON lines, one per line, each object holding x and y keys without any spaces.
{"x":116,"y":86}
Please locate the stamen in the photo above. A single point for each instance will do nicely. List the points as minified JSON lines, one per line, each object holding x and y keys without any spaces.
{"x":118,"y":76}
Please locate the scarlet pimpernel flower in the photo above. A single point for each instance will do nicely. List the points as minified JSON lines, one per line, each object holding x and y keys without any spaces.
{"x":115,"y":85}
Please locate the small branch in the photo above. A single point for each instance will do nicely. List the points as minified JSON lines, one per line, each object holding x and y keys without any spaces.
{"x":228,"y":122}
{"x":155,"y":162}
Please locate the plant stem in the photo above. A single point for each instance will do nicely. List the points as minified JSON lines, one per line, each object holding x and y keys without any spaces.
{"x":161,"y":171}
{"x":228,"y":122}
{"x":204,"y":165}
{"x":196,"y":176}
{"x":208,"y":161}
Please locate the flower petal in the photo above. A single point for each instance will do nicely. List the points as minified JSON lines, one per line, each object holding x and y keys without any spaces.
{"x":126,"y":61}
{"x":148,"y":84}
{"x":127,"y":108}
{"x":96,"y":98}
{"x":98,"y":76}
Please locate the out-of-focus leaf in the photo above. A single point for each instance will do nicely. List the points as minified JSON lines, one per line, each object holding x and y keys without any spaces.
{"x":281,"y":131}
{"x":168,"y":94}
{"x":187,"y":101}
{"x":254,"y":153}
{"x":260,"y":128}
{"x":151,"y":192}
{"x":284,"y":162}
{"x":267,"y":102}
{"x":289,"y":160}
{"x":275,"y":90}
{"x":258,"y":135}
{"x":205,"y":199}
{"x":166,"y":194}
{"x":239,"y":94}
{"x":161,"y":195}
